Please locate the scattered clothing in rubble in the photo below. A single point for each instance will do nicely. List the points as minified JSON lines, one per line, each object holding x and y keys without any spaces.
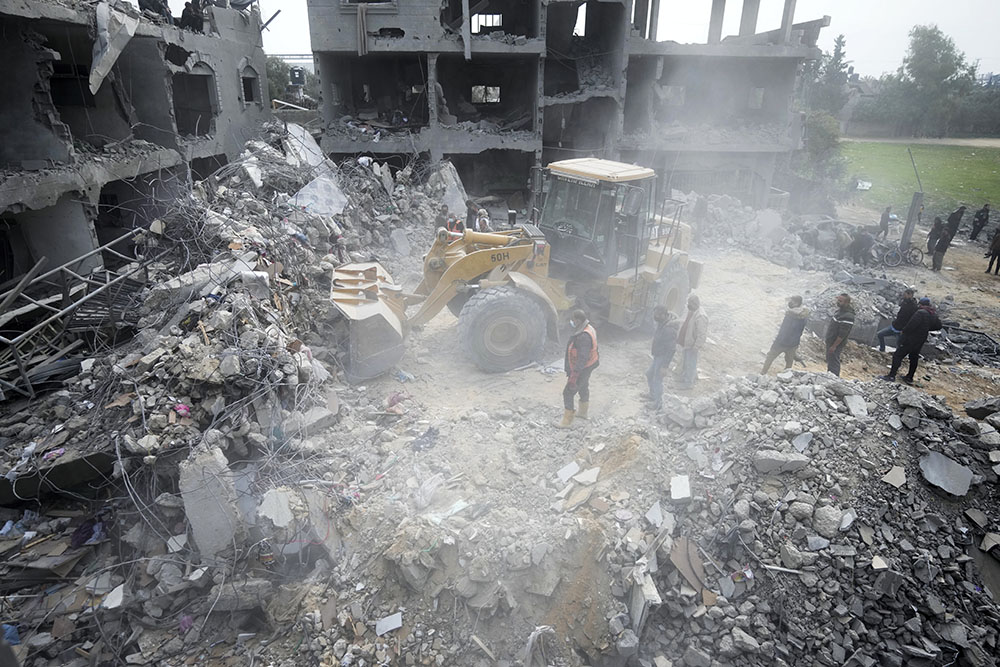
{"x":837,"y":332}
{"x":789,"y":334}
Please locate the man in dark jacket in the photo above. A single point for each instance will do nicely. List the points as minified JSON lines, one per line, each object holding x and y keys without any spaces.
{"x":955,"y":220}
{"x":907,"y":307}
{"x":994,"y":254}
{"x":789,"y":334}
{"x":932,"y":236}
{"x":663,"y":347}
{"x":883,"y":223}
{"x":940,"y":248}
{"x":979,"y":221}
{"x":581,"y":360}
{"x":912,"y":339}
{"x":837,"y":332}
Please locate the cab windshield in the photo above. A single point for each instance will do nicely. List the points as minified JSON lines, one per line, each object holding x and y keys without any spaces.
{"x":571,"y":208}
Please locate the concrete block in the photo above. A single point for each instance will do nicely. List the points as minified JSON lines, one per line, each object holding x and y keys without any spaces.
{"x":209,"y":495}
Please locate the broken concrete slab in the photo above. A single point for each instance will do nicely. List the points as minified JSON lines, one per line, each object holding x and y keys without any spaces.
{"x":895,"y":477}
{"x":801,"y":441}
{"x":207,"y":488}
{"x":772,"y":461}
{"x":275,"y":506}
{"x":389,"y":623}
{"x":567,"y":471}
{"x":945,"y":473}
{"x":856,"y":405}
{"x":310,"y":422}
{"x":680,"y":488}
{"x":588,"y":476}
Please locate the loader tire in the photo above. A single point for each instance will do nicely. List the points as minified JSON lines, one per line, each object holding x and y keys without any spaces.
{"x":501,"y":328}
{"x":673,"y":290}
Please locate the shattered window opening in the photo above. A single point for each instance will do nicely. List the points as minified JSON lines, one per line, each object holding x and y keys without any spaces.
{"x":69,"y":86}
{"x":251,"y":87}
{"x":486,"y":94}
{"x":480,"y":21}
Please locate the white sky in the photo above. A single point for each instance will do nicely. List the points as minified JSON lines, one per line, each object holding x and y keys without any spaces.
{"x":876,"y":30}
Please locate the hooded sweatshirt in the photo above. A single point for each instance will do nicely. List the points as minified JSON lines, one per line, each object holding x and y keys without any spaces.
{"x":790,"y":332}
{"x":914,"y":334}
{"x":906,"y":309}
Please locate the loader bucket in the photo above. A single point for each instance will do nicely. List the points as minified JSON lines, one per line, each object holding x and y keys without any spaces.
{"x":366,"y":296}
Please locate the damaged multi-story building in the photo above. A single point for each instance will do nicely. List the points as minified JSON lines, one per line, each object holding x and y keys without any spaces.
{"x":108,"y":113}
{"x":498,"y":87}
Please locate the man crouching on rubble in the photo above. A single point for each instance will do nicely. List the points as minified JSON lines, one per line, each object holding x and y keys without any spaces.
{"x":789,"y":334}
{"x":837,"y":332}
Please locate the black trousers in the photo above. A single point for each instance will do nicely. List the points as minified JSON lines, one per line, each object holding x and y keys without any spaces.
{"x":897,"y":359}
{"x":833,"y":358}
{"x":582,"y":387}
{"x":994,"y":258}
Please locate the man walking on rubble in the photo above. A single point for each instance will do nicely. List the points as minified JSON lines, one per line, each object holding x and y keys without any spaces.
{"x":883,"y":224}
{"x":837,"y":332}
{"x":692,"y":337}
{"x":912,"y":339}
{"x":940,"y":248}
{"x":789,"y":334}
{"x":663,"y":347}
{"x":581,"y":360}
{"x":979,"y":221}
{"x":907,"y":307}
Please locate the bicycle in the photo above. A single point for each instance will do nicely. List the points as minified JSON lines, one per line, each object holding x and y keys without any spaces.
{"x":896,"y":255}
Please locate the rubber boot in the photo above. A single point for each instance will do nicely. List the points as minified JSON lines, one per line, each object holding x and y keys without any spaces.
{"x":581,"y":413}
{"x":567,"y":419}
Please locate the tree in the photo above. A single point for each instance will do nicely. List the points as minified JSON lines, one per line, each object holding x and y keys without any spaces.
{"x":822,"y":159}
{"x":934,"y":77}
{"x":277,"y":77}
{"x":823,"y":84}
{"x":830,"y":92}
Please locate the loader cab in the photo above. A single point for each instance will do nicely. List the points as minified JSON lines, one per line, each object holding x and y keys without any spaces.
{"x":594,"y":216}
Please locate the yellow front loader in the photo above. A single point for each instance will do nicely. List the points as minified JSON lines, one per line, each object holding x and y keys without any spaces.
{"x":597,"y":246}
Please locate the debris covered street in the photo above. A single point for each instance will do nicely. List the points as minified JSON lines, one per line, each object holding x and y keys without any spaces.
{"x":289,"y":393}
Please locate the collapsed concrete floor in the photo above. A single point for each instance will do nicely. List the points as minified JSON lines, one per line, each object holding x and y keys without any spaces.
{"x":244,"y":505}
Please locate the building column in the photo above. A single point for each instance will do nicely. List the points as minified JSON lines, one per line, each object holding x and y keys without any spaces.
{"x":748,"y":20}
{"x":787,"y":18}
{"x":640,"y":20}
{"x":654,"y":19}
{"x":715,"y":23}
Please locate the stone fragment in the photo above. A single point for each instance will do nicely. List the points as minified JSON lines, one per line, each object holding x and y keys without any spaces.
{"x":801,"y":441}
{"x":856,"y":405}
{"x":896,"y":476}
{"x":977,"y":517}
{"x":895,"y":422}
{"x":826,"y":521}
{"x":389,"y":623}
{"x":744,"y":642}
{"x":694,"y":657}
{"x":230,"y":365}
{"x":983,"y":407}
{"x":276,"y":507}
{"x":238,"y":595}
{"x":567,"y":471}
{"x":772,"y":461}
{"x":945,"y":473}
{"x":400,"y":243}
{"x":654,"y":515}
{"x":680,"y":488}
{"x":627,"y":644}
{"x":816,"y":543}
{"x":791,"y":557}
{"x":792,"y":429}
{"x":801,"y":511}
{"x":587,"y":477}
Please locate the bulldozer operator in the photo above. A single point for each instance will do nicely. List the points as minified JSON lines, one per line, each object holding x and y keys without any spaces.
{"x":582,"y":359}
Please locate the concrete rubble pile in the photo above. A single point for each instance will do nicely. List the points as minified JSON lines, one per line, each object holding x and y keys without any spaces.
{"x":139,"y":502}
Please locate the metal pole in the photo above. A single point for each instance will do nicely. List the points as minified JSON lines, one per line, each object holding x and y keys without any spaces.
{"x":914,"y":163}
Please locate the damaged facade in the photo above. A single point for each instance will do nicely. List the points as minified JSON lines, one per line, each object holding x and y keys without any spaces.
{"x":106,"y":114}
{"x":499,"y":87}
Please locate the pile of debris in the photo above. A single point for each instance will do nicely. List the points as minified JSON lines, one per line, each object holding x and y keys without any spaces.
{"x":154,"y":476}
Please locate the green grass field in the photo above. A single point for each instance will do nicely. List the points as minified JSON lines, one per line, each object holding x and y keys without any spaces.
{"x":950,"y":175}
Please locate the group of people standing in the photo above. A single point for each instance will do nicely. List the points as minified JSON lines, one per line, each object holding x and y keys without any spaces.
{"x":942,"y":233}
{"x":582,"y":357}
{"x":476,"y":219}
